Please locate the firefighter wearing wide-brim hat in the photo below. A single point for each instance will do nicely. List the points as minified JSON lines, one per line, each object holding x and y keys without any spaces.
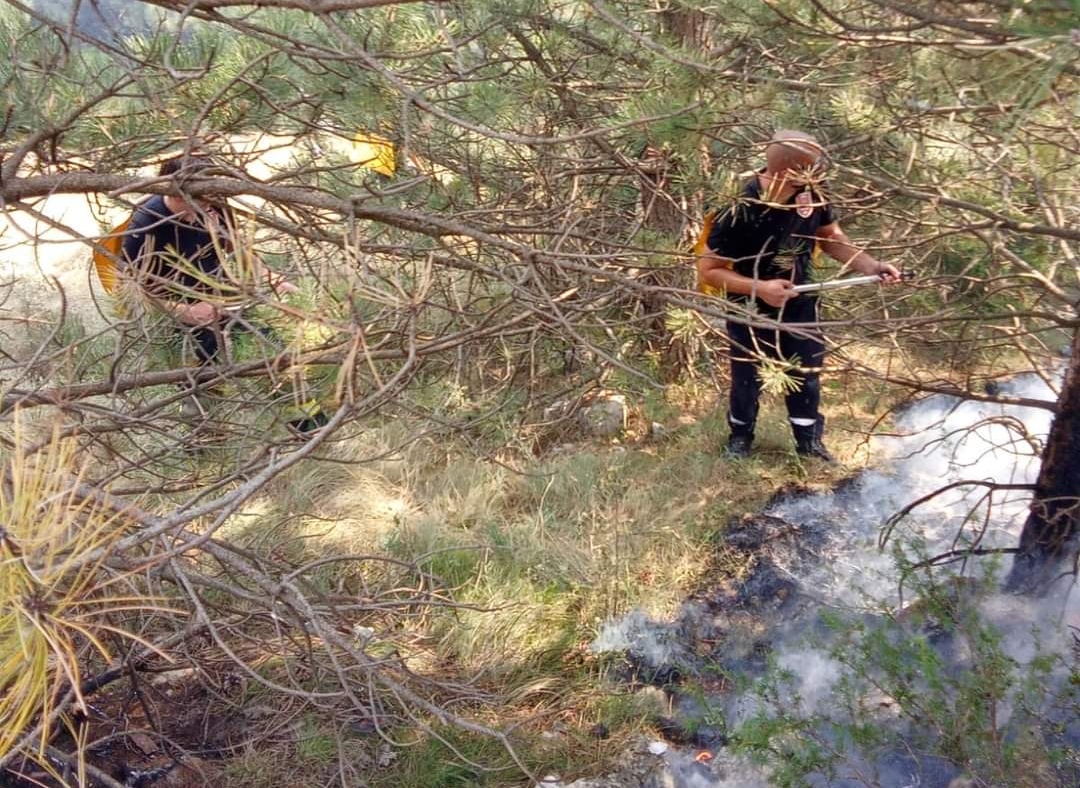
{"x":757,"y":250}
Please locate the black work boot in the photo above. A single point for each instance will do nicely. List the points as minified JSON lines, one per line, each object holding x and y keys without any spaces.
{"x":738,"y":446}
{"x":808,"y":441}
{"x":306,"y":427}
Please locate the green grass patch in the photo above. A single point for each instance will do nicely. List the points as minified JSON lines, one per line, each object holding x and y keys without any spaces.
{"x":450,"y":758}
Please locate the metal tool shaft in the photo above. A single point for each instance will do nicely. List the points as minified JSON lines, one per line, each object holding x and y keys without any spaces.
{"x":836,"y":284}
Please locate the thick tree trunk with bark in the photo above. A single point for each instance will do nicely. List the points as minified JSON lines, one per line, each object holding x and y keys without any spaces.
{"x":692,"y":26}
{"x":1050,"y":533}
{"x":662,"y":213}
{"x":667,"y":213}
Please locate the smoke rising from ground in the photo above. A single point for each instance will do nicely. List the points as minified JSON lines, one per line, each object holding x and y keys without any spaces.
{"x":937,"y":442}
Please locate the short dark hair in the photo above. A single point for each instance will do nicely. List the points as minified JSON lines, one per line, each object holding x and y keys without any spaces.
{"x":188,"y":164}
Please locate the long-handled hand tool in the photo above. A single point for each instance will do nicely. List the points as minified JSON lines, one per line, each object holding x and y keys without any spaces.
{"x":851,"y":281}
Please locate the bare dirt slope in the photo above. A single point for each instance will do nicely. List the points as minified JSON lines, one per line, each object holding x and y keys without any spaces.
{"x":46,"y":270}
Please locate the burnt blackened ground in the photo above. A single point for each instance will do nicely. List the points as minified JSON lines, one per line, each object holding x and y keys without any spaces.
{"x":165,"y":729}
{"x":762,"y":604}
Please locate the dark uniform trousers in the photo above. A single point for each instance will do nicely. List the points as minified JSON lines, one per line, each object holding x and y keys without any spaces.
{"x":804,"y":347}
{"x":207,"y":341}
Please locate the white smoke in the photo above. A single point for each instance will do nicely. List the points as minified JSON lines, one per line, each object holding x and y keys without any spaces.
{"x":655,"y":643}
{"x":816,"y":674}
{"x":937,"y":443}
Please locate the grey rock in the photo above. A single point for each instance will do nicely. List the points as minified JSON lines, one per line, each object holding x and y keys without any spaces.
{"x":605,"y":418}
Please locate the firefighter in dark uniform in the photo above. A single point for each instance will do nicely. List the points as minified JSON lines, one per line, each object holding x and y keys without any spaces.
{"x":175,"y":249}
{"x":757,"y":250}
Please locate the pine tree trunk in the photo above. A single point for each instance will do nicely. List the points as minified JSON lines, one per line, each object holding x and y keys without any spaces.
{"x":692,"y":26}
{"x":1050,"y":532}
{"x":666,"y":213}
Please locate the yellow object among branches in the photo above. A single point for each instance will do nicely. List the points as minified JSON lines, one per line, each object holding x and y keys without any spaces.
{"x":374,"y":152}
{"x":107,"y":256}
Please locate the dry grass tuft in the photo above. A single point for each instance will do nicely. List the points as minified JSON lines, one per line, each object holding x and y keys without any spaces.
{"x":60,"y":601}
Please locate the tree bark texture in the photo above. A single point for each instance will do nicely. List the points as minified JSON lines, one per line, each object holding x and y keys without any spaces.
{"x":667,"y":213}
{"x":1050,"y":532}
{"x":662,"y":213}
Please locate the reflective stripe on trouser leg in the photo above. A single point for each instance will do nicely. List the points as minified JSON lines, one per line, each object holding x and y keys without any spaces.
{"x":745,"y":385}
{"x":809,"y":348}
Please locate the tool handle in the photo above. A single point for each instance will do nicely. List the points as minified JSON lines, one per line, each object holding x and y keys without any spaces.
{"x":851,"y":281}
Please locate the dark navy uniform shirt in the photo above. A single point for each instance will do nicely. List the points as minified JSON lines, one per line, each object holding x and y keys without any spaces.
{"x":771,"y":242}
{"x":177,"y":259}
